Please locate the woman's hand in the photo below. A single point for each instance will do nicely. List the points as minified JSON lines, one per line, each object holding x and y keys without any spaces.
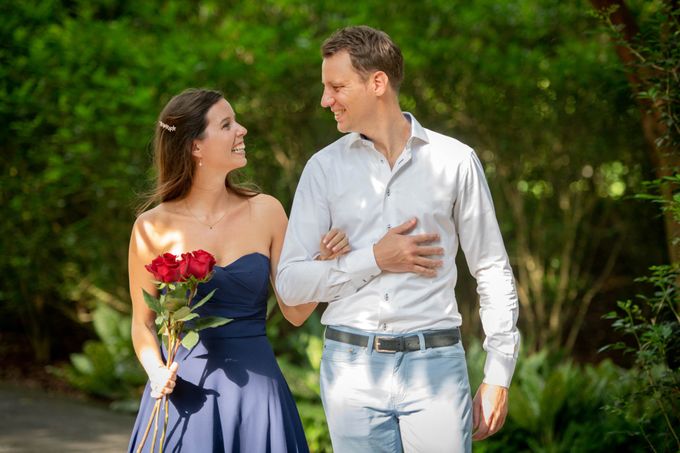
{"x":162,"y":380}
{"x":333,"y":244}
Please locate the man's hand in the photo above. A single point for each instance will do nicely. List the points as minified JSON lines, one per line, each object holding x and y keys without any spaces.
{"x":489,"y":409}
{"x":397,"y":252}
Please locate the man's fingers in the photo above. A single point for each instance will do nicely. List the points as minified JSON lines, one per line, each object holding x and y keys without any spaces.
{"x":424,"y":271}
{"x":429,"y":251}
{"x":490,"y":425}
{"x":404,"y":227}
{"x":476,"y":415}
{"x":481,"y":433}
{"x":425,"y":237}
{"x":428,"y":262}
{"x":497,"y":423}
{"x":480,"y":428}
{"x":483,"y":428}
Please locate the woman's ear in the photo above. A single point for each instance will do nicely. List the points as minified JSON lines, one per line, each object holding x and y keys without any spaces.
{"x":196,"y":149}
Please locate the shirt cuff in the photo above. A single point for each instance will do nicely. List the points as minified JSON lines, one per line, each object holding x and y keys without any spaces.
{"x":498,"y":369}
{"x":360,"y":265}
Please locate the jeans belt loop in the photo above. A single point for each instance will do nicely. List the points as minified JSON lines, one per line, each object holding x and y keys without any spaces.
{"x":369,"y":346}
{"x":421,"y":340}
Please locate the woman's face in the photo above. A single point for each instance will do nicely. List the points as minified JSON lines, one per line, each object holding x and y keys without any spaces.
{"x":222,"y":145}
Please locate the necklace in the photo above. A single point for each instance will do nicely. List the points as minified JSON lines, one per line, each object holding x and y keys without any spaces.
{"x":211,"y":226}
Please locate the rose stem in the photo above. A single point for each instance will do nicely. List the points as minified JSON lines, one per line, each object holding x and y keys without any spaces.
{"x":155,"y":427}
{"x":148,"y":425}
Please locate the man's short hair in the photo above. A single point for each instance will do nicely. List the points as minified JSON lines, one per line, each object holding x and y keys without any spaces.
{"x":369,"y":50}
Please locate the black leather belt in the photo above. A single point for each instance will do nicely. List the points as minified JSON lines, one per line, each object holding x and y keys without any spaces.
{"x":392,"y":344}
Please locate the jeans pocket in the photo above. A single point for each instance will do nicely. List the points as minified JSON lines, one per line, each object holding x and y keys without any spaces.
{"x":334,"y":351}
{"x":455,"y":350}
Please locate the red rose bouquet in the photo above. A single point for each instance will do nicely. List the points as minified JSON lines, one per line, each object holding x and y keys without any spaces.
{"x":177,"y":281}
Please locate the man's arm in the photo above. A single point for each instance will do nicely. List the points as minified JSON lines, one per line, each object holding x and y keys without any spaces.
{"x":482,"y":243}
{"x":300,"y":278}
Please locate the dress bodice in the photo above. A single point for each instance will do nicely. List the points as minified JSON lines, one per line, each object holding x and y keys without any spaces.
{"x":230,"y":394}
{"x":242,"y":288}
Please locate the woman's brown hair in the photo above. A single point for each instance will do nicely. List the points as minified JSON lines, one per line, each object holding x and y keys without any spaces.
{"x":182,"y":121}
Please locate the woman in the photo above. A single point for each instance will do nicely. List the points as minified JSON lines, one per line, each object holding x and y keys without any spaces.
{"x":227,"y":394}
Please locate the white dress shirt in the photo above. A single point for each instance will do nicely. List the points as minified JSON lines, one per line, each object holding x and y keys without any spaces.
{"x":438,"y":180}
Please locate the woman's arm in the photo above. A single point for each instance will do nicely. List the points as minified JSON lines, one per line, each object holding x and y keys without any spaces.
{"x":144,"y":338}
{"x":298,"y":314}
{"x":332,"y":245}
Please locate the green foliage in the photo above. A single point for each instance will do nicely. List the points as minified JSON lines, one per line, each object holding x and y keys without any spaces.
{"x":299,"y":356}
{"x":558,"y":406}
{"x":81,"y":85}
{"x":530,"y":84}
{"x":651,"y":194}
{"x":651,"y":324}
{"x":108,"y":367}
{"x":657,"y":50}
{"x":651,"y":398}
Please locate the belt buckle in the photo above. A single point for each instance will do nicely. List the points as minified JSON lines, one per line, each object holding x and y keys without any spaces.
{"x":378,"y":348}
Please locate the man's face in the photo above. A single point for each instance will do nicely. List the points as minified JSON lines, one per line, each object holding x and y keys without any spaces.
{"x":346,"y":93}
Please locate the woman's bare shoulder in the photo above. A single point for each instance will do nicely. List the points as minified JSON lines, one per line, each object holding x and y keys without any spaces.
{"x":267,"y":205}
{"x":157,"y":217}
{"x":151,"y":227}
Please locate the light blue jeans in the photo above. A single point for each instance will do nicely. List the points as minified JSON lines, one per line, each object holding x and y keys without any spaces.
{"x":415,"y":401}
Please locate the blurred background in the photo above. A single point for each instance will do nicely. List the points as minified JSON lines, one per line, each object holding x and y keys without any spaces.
{"x":572,"y":107}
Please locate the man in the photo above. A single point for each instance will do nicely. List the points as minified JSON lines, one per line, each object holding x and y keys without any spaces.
{"x":393,"y":373}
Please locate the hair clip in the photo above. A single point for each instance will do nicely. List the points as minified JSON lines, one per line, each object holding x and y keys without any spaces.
{"x":167,"y":127}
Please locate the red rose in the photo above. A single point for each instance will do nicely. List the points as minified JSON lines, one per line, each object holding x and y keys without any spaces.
{"x":198,"y":264}
{"x":165,"y":268}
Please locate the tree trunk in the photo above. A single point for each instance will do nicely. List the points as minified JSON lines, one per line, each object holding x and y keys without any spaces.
{"x":665,"y":160}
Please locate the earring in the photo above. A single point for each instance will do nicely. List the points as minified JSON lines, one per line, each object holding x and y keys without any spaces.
{"x":200,"y":162}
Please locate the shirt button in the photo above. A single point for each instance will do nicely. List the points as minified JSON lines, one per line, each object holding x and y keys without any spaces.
{"x":387,"y":297}
{"x":388,"y":192}
{"x":384,"y":326}
{"x":389,"y":226}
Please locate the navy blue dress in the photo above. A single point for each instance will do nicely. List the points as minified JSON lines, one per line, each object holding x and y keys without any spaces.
{"x":230,"y":395}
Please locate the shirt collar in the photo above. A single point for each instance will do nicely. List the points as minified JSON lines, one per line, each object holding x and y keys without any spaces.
{"x":417,"y":131}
